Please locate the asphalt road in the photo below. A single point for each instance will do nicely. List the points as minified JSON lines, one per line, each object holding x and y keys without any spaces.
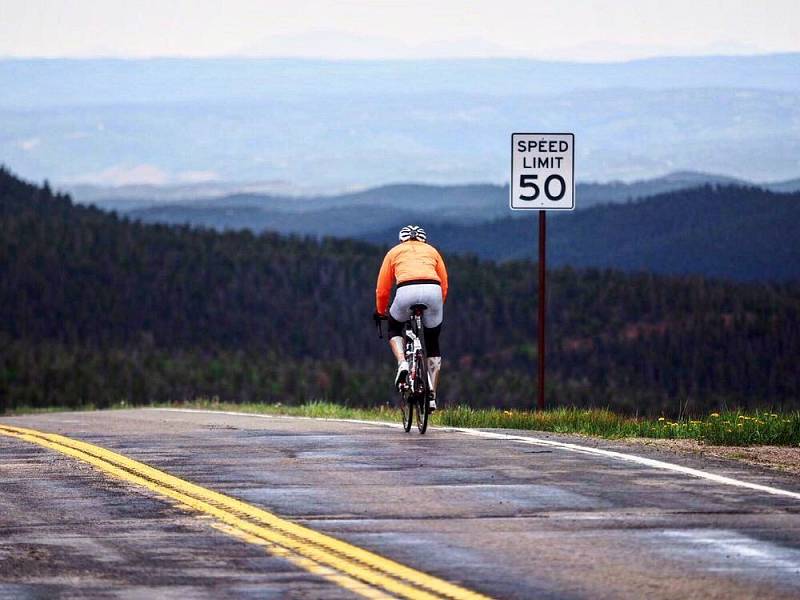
{"x":496,"y":516}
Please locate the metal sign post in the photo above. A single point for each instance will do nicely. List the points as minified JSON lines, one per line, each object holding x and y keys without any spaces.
{"x":542,"y":301}
{"x":542,"y":178}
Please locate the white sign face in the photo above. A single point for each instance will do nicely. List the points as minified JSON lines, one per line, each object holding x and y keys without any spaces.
{"x":542,"y":171}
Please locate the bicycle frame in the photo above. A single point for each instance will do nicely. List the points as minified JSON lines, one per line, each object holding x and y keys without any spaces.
{"x":413,"y":352}
{"x":415,"y":390}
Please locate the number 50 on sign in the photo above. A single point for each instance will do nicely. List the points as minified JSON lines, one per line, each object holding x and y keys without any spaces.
{"x":542,"y":171}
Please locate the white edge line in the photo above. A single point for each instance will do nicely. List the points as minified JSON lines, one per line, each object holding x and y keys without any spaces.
{"x":577,"y":448}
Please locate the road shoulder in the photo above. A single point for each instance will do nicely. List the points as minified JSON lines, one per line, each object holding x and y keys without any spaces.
{"x":781,"y":459}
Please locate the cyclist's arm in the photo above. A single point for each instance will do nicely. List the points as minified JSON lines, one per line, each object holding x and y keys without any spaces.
{"x":441,"y":271}
{"x":384,"y":288}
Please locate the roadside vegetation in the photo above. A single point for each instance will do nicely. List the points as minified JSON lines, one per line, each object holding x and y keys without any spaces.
{"x":731,"y":428}
{"x":723,"y":429}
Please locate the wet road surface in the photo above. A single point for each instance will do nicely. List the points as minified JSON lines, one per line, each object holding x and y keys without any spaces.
{"x":502,"y":518}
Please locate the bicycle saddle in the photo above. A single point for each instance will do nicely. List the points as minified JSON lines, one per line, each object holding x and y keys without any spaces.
{"x":416,"y":307}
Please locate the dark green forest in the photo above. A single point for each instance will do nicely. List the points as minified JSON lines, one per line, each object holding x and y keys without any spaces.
{"x":96,"y":309}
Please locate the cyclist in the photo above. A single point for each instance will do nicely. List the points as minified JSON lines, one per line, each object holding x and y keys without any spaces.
{"x":421,"y":277}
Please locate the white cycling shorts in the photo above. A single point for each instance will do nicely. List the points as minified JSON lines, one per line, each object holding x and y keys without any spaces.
{"x":428,"y":294}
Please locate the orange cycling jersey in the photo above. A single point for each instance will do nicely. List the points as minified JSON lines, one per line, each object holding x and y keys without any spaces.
{"x":409,"y":261}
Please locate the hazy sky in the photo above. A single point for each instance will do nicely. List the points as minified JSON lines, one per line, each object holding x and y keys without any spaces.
{"x":577,"y":29}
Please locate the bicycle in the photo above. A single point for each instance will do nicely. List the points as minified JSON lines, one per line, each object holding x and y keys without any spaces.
{"x":415,"y":391}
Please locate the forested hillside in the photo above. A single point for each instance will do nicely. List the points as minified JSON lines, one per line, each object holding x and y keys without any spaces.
{"x":742,"y":233}
{"x":96,"y":309}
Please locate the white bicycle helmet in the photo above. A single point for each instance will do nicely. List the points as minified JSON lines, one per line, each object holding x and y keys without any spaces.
{"x":412,"y":232}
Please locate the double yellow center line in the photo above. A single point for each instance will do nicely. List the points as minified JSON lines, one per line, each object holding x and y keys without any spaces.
{"x":358,"y":570}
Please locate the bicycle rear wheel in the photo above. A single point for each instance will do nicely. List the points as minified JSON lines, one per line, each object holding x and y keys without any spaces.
{"x":421,"y":396}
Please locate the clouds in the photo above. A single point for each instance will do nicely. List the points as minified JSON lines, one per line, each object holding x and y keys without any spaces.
{"x":143,"y":174}
{"x":126,"y":175}
{"x":28,"y":144}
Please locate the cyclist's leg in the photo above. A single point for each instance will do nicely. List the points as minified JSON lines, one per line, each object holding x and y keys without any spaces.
{"x":434,"y":360}
{"x":397,"y":317}
{"x":397,"y":343}
{"x":432,"y":341}
{"x":434,"y":355}
{"x":432,"y":320}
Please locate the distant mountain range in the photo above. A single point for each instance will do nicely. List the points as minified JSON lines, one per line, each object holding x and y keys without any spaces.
{"x":371,"y":210}
{"x":331,"y":125}
{"x":280,"y":196}
{"x":735,"y":232}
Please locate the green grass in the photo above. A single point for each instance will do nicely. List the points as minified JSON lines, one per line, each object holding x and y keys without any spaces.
{"x":725,"y":429}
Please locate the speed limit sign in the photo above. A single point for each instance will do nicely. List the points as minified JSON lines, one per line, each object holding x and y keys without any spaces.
{"x":542,"y":171}
{"x":542,"y":178}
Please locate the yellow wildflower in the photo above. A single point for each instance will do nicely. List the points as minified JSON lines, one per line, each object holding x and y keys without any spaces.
{"x":714,"y":415}
{"x":661,"y":418}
